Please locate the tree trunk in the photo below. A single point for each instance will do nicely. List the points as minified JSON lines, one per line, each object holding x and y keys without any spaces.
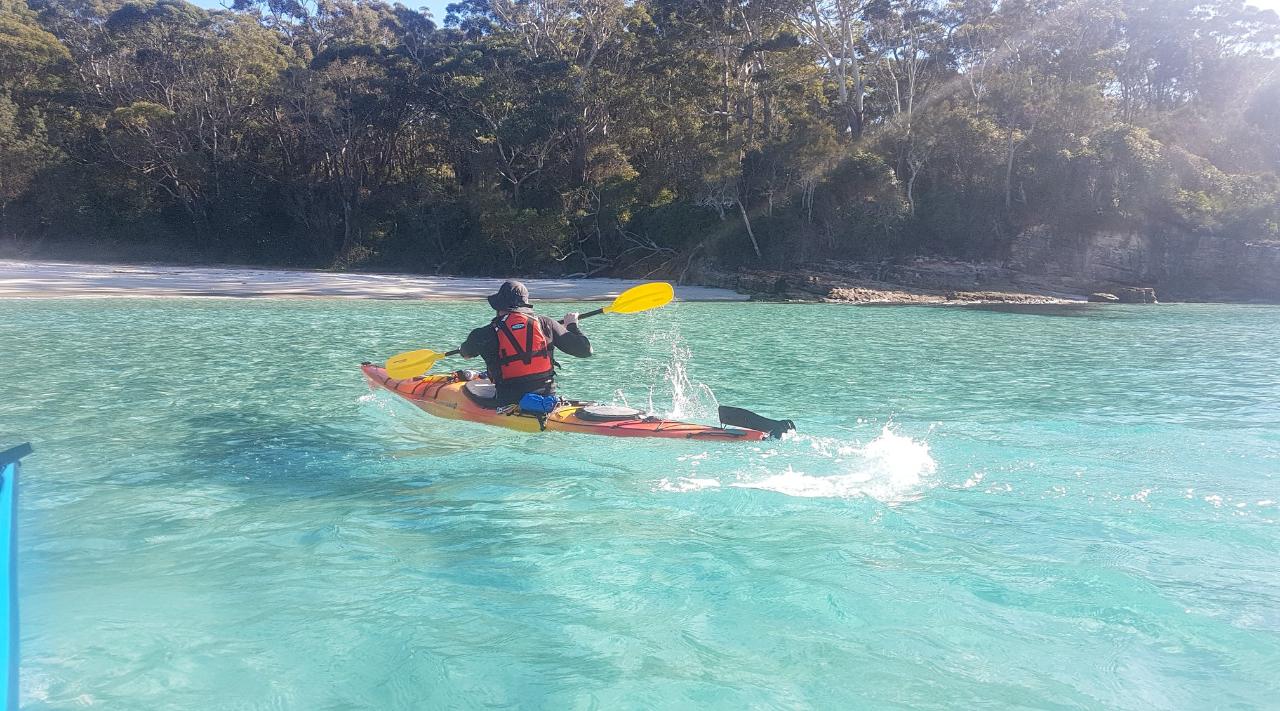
{"x":580,"y":154}
{"x":911,"y":186}
{"x":858,"y":113}
{"x":1008,"y":172}
{"x":746,"y":221}
{"x":348,"y":242}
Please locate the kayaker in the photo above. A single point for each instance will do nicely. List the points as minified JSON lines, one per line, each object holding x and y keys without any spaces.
{"x":518,"y":346}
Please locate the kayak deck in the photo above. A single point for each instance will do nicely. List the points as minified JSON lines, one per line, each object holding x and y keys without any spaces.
{"x":445,"y":396}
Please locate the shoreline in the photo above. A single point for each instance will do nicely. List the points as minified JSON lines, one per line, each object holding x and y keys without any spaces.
{"x":58,"y":279}
{"x":35,"y":279}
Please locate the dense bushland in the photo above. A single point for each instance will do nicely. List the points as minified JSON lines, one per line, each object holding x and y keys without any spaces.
{"x":584,"y":136}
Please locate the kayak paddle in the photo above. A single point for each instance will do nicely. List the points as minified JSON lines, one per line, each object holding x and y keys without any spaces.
{"x":738,"y":417}
{"x":407,"y":365}
{"x":632,"y":301}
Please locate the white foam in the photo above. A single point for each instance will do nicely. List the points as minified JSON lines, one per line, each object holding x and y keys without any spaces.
{"x":892,"y":468}
{"x":684,"y":484}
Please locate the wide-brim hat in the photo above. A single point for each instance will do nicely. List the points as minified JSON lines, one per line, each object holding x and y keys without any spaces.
{"x":511,"y":295}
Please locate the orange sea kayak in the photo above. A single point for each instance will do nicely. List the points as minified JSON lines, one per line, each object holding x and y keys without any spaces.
{"x":452,"y":398}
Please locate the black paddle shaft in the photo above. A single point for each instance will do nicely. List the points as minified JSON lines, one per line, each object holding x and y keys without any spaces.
{"x":588,"y":314}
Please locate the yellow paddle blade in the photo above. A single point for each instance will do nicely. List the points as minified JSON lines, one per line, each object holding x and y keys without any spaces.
{"x":407,"y":365}
{"x":642,"y":298}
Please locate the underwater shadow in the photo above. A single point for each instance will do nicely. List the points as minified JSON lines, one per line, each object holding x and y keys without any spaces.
{"x":486,"y":532}
{"x":1079,"y":310}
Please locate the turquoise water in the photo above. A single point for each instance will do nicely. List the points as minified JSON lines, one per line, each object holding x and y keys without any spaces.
{"x":1059,"y":508}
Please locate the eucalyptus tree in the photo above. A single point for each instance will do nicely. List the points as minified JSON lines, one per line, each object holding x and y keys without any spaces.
{"x":908,"y":43}
{"x":637,"y":135}
{"x":29,"y":58}
{"x":836,"y":29}
{"x":169,"y":94}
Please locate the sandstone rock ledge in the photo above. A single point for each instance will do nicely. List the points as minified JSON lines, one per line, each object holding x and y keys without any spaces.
{"x":959,"y":283}
{"x":872,"y":293}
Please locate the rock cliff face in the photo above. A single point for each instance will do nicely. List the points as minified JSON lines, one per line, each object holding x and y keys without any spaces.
{"x":1177,"y":264}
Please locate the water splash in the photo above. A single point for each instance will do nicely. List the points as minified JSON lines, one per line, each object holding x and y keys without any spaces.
{"x":687,"y":398}
{"x":892,"y":468}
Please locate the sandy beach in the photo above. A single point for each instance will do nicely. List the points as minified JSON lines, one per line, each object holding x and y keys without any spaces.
{"x":32,"y":279}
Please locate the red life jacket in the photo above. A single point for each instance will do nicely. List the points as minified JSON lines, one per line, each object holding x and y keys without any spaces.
{"x":522,"y":347}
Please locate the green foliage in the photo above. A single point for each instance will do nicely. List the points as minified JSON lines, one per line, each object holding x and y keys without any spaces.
{"x":24,"y":147}
{"x":584,"y":136}
{"x":26,"y":49}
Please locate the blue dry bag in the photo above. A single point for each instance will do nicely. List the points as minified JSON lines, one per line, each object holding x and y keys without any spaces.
{"x":536,"y":404}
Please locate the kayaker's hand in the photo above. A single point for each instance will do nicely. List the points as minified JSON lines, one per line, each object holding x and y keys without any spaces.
{"x":570,"y":319}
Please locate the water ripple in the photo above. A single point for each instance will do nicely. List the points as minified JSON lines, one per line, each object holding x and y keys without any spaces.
{"x":983,"y":509}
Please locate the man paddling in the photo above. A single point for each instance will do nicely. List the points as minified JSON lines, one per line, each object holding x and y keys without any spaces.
{"x":518,"y":345}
